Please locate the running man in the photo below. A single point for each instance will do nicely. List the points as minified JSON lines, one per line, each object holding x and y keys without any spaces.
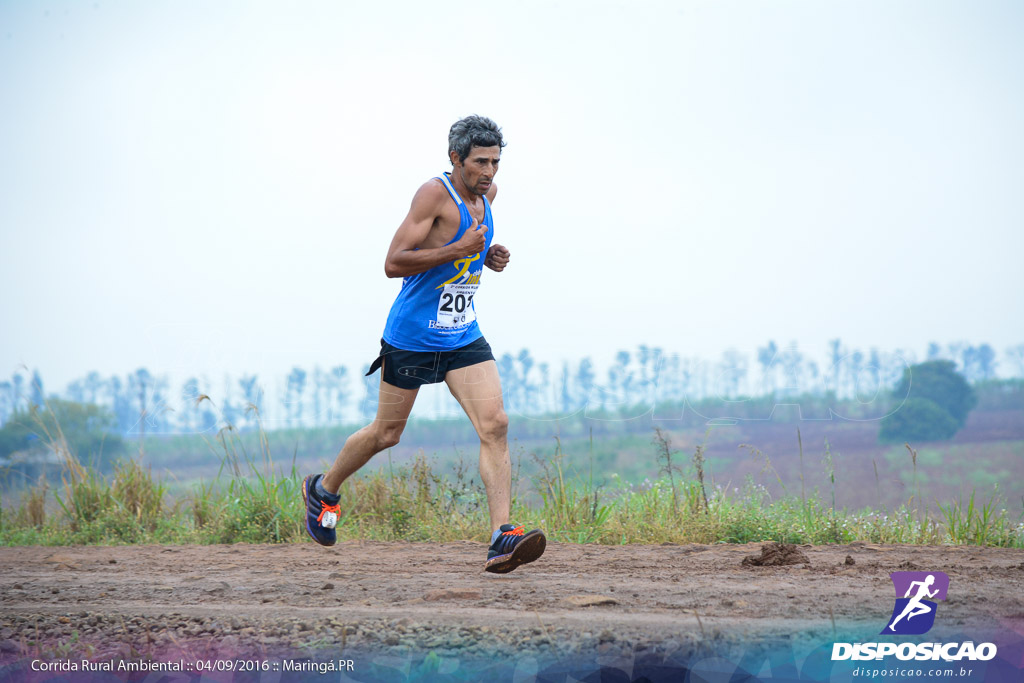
{"x":432,"y":336}
{"x":915,"y":606}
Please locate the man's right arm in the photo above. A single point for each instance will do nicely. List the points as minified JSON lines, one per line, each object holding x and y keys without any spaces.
{"x":405,"y":258}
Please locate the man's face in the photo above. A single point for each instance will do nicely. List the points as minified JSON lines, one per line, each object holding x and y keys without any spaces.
{"x":479,"y":168}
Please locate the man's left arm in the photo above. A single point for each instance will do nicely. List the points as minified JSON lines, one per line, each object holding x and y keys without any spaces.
{"x":497,"y":256}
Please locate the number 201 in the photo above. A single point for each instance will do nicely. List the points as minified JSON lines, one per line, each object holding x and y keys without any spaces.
{"x":461,"y":302}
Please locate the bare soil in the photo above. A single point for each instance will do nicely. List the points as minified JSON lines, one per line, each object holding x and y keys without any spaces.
{"x":241,"y":600}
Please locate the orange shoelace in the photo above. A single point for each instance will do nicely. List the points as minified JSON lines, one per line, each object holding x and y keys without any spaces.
{"x":336,"y":509}
{"x":518,"y":531}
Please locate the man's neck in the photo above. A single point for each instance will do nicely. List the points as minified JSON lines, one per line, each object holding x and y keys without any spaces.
{"x":460,"y":187}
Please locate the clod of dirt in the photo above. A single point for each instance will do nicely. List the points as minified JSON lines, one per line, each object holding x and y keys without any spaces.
{"x":775,"y":555}
{"x":589,"y":600}
{"x":454,"y":594}
{"x":850,"y":560}
{"x":908,"y":565}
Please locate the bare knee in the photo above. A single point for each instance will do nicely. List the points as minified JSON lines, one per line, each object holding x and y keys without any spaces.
{"x":386,"y":435}
{"x":495,"y":428}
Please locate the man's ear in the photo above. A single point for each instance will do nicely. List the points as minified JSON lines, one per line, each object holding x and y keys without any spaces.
{"x":454,"y":156}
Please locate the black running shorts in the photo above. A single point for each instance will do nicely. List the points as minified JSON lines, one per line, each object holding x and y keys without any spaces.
{"x":413,"y":369}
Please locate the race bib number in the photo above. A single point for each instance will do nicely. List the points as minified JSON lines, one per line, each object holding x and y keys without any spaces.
{"x":455,"y":307}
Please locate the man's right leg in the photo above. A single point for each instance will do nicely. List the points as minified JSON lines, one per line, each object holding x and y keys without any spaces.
{"x":393,"y":408}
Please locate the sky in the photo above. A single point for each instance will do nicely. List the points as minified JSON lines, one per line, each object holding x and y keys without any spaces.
{"x":202,"y":188}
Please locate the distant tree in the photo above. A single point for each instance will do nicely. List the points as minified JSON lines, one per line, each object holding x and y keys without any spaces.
{"x":918,"y":419}
{"x":208,"y":419}
{"x":836,"y":352}
{"x":296,"y":387}
{"x":856,"y":362}
{"x":766,"y":357}
{"x":956,"y":353}
{"x":526,"y":385}
{"x":140,"y":385}
{"x":648,"y":360}
{"x":894,"y":365}
{"x":231,"y":412}
{"x":509,"y":381}
{"x":812,"y":372}
{"x":251,"y":395}
{"x":643,"y":359}
{"x":90,"y":432}
{"x":6,"y":401}
{"x":93,"y":386}
{"x":565,"y":399}
{"x":36,"y":392}
{"x":584,"y":380}
{"x":682,"y":370}
{"x":792,"y":365}
{"x":657,"y":368}
{"x":189,"y":415}
{"x":161,"y":410}
{"x":121,"y":400}
{"x":340,"y":392}
{"x":620,"y":378}
{"x":874,"y":372}
{"x":371,"y":386}
{"x":17,"y":381}
{"x":319,"y":387}
{"x":76,"y":391}
{"x":937,"y":382}
{"x":934,"y":351}
{"x":732,"y":371}
{"x":544,"y":392}
{"x":1015,"y":355}
{"x":985,"y":359}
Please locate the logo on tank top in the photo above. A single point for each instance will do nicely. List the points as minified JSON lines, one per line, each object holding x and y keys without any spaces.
{"x":463,"y":277}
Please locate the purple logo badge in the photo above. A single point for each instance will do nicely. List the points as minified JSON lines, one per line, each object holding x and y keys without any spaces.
{"x":916,"y":592}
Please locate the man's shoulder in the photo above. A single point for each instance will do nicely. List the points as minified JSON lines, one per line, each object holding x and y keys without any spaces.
{"x":432,"y":193}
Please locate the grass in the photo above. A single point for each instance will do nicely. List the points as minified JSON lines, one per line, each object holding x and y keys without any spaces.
{"x":253,"y":499}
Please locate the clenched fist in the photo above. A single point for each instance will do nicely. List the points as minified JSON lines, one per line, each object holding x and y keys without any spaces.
{"x":497,"y":258}
{"x":473,"y":240}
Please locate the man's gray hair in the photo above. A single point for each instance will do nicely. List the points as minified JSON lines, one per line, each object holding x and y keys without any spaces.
{"x":473,"y":131}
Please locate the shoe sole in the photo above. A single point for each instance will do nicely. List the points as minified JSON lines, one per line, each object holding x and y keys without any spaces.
{"x":305,"y":507}
{"x":527,"y":550}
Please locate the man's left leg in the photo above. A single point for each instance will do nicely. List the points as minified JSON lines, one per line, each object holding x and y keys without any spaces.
{"x":478,"y":390}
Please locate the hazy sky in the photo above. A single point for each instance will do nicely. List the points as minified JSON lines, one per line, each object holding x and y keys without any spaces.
{"x":204,"y":187}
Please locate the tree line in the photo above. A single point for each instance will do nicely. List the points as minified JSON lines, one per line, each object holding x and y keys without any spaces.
{"x":145,"y":403}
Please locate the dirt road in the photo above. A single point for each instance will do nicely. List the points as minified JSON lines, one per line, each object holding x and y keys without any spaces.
{"x":397,"y":598}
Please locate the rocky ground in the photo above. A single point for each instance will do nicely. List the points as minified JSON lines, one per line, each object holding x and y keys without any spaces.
{"x":245,"y":601}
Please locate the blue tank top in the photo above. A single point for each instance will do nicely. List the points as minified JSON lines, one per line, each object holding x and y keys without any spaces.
{"x":434,"y":310}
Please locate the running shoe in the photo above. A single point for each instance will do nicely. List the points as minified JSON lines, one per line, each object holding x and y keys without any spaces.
{"x":513,"y":547}
{"x":321,"y":517}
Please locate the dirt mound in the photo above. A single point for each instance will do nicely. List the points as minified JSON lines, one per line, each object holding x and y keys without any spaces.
{"x":775,"y":555}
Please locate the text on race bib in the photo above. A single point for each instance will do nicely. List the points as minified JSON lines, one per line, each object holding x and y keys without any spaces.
{"x":455,"y":307}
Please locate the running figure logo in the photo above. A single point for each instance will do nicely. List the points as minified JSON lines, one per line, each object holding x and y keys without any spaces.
{"x":914,"y":612}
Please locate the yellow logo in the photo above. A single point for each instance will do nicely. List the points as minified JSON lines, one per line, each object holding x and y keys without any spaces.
{"x":463,"y":265}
